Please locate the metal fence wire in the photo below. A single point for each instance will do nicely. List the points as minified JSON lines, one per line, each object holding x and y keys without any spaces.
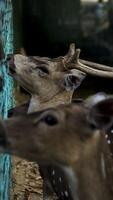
{"x":6,"y":99}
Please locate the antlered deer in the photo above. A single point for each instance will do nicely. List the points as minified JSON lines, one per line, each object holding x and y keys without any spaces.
{"x":72,"y":139}
{"x":53,"y":81}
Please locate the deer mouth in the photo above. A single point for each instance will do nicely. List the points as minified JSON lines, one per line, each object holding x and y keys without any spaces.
{"x":11,"y":70}
{"x":11,"y":65}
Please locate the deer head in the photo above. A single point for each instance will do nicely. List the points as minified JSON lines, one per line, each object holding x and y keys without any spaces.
{"x":72,"y":137}
{"x":43,"y":76}
{"x":47,"y":78}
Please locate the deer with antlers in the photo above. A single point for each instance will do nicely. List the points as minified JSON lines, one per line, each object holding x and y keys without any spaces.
{"x":53,"y":81}
{"x":71,"y":139}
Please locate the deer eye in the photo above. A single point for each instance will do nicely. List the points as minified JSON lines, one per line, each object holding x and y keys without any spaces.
{"x":50,"y":120}
{"x":42,"y":70}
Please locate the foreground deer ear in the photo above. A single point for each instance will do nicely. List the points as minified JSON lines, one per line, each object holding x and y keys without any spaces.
{"x":73,"y":79}
{"x":101,"y":113}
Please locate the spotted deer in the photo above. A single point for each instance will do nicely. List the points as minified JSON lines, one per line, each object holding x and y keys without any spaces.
{"x":52,"y":82}
{"x":71,"y":138}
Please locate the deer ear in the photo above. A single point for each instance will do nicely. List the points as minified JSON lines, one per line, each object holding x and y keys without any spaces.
{"x":73,"y":79}
{"x":101,"y":113}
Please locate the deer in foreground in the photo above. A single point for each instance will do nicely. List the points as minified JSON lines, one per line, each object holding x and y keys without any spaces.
{"x":52,"y":81}
{"x":72,"y":139}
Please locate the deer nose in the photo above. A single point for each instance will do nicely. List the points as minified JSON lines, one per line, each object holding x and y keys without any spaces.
{"x":10,"y":57}
{"x":10,"y":60}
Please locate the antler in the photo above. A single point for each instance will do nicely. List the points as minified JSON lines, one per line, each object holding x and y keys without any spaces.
{"x":70,"y":56}
{"x":72,"y":60}
{"x":96,"y":65}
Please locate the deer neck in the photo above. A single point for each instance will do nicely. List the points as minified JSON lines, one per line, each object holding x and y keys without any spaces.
{"x":36,"y":103}
{"x":95,"y":179}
